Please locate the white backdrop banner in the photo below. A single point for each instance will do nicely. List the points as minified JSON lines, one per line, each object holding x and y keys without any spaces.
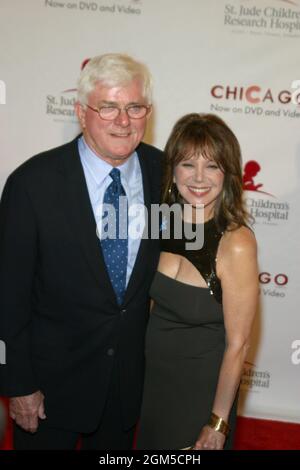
{"x":235,"y":58}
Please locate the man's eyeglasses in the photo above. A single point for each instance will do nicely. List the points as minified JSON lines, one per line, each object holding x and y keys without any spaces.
{"x":134,"y":111}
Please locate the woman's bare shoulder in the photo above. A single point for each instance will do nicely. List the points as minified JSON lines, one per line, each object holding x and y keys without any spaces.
{"x":237,"y":250}
{"x":238,"y":241}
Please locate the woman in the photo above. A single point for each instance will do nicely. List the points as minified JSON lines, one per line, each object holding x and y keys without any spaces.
{"x":204,"y":300}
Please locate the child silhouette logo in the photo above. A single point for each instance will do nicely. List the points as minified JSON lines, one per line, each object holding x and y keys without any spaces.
{"x":251,"y":169}
{"x":83,"y":64}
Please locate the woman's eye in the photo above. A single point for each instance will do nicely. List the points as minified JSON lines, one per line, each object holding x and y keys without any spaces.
{"x":212,"y":165}
{"x":187,"y":165}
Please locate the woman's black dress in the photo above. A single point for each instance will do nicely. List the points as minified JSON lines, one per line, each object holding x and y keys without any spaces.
{"x":185,"y":344}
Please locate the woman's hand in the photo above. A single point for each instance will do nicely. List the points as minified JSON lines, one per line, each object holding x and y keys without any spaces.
{"x":209,"y":439}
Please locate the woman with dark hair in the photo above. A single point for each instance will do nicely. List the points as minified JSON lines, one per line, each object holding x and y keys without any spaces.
{"x":204,"y":300}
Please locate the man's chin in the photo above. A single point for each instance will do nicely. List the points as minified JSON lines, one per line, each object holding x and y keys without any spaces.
{"x":121,"y":157}
{"x":118,"y":159}
{"x":121,"y":154}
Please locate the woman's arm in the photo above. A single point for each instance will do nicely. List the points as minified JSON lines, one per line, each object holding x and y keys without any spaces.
{"x":238,"y":272}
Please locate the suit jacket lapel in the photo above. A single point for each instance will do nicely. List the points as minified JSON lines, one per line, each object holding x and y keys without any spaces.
{"x":80,"y":214}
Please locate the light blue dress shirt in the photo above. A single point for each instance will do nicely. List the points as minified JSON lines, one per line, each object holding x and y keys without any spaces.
{"x":96,"y":172}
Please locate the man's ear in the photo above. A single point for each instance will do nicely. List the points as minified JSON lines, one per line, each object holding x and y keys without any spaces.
{"x":150,"y":110}
{"x":80,"y":113}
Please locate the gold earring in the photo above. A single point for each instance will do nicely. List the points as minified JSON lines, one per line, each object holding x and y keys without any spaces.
{"x":173,"y":192}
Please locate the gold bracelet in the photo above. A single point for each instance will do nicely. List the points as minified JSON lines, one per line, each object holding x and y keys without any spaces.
{"x":219,"y":424}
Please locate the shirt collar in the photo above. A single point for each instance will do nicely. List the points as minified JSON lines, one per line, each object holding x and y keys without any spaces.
{"x":100,"y":169}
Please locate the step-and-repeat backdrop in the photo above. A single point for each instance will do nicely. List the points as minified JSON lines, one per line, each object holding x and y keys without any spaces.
{"x":236,"y":58}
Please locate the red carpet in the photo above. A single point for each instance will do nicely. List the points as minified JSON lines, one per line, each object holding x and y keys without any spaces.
{"x":6,"y":443}
{"x":251,"y":434}
{"x":260,"y":434}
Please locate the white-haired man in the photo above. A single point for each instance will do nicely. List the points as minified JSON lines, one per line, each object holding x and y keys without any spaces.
{"x":73,"y":304}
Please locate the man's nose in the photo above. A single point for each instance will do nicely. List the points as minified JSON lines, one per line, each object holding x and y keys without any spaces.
{"x":123,"y":119}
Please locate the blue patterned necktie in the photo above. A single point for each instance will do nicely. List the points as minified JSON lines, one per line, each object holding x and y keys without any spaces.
{"x":115,"y":247}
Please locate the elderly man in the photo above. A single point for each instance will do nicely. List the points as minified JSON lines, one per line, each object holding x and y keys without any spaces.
{"x":73,"y":302}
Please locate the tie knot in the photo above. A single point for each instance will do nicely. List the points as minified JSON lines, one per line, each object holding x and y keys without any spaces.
{"x":115,"y":174}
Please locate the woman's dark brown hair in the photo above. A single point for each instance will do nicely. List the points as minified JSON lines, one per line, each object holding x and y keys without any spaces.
{"x":208,"y":135}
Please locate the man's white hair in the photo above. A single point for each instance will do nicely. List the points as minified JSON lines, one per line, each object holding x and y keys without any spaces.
{"x":113,"y":70}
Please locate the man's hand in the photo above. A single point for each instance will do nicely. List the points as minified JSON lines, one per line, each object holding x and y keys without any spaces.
{"x":27,"y":409}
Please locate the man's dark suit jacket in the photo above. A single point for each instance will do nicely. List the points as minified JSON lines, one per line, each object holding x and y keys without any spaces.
{"x":59,"y":317}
